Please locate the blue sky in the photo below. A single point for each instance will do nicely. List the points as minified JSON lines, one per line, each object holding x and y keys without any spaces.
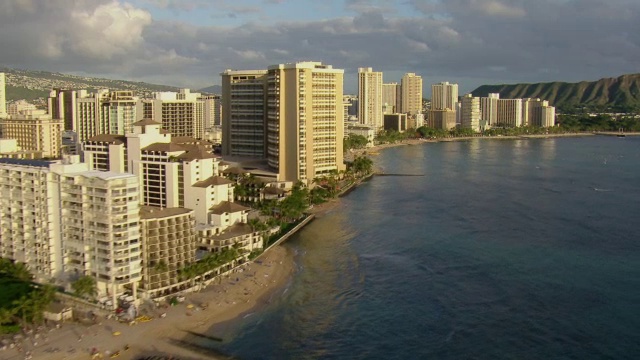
{"x":188,"y":43}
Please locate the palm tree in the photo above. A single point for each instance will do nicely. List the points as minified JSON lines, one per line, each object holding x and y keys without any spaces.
{"x":85,"y":286}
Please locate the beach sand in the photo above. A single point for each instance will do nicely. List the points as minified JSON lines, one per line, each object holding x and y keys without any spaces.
{"x":233,"y":296}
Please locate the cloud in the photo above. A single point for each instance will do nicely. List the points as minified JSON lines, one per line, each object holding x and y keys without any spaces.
{"x":526,"y":40}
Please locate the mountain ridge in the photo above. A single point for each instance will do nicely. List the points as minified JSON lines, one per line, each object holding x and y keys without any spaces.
{"x":620,"y":93}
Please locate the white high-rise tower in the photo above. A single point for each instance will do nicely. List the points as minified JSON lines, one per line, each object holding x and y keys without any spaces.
{"x":3,"y":98}
{"x":370,"y":97}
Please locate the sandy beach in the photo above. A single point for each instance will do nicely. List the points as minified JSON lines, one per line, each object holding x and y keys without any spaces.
{"x":236,"y":294}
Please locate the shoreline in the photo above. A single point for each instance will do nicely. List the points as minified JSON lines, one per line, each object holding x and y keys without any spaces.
{"x":250,"y":288}
{"x":374,"y":150}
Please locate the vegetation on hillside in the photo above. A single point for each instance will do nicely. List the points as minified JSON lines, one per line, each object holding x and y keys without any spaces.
{"x":621,"y":94}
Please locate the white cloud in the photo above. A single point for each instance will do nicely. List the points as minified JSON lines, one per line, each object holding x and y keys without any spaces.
{"x":452,"y":39}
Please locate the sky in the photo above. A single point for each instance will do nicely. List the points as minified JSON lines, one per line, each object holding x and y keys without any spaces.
{"x":188,"y":43}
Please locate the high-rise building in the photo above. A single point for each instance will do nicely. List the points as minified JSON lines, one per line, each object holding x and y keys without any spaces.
{"x":470,"y":117}
{"x":489,"y":110}
{"x":411,"y":94}
{"x":244,"y":113}
{"x":537,"y":112}
{"x":63,"y":221}
{"x":91,"y":114}
{"x":169,"y":245}
{"x":35,"y":131}
{"x":509,"y":113}
{"x":304,"y":120}
{"x":444,"y":119}
{"x":290,"y":114}
{"x":391,"y":95}
{"x":62,"y":105}
{"x":444,"y":96}
{"x":212,"y":111}
{"x":3,"y":96}
{"x":181,"y":113}
{"x":370,"y":98}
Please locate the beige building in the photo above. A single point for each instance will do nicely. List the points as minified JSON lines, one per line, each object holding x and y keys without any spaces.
{"x":444,"y":96}
{"x":305,"y":128}
{"x":3,"y":96}
{"x":537,"y":112}
{"x":91,"y":114}
{"x":19,"y":107}
{"x":392,"y":96}
{"x":470,"y":117}
{"x":411,"y":94}
{"x":169,"y":245}
{"x":368,"y":132}
{"x":509,"y":113}
{"x":489,"y":110}
{"x":9,"y":149}
{"x":181,"y":113}
{"x":370,"y":101}
{"x":397,"y":122}
{"x":174,"y":172}
{"x":444,"y":119}
{"x":34,"y":131}
{"x":244,"y":117}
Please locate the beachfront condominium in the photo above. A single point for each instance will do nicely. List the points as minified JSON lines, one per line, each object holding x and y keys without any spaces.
{"x":444,"y":96}
{"x":3,"y":96}
{"x":411,"y":94}
{"x":370,"y":104}
{"x":444,"y":119}
{"x":243,"y":116}
{"x":392,"y":96}
{"x":305,"y":125}
{"x":292,"y":115}
{"x":470,"y":117}
{"x":509,"y":113}
{"x":34,"y":130}
{"x":169,"y":246}
{"x":537,"y":112}
{"x":65,"y":221}
{"x":181,"y":113}
{"x":489,"y":109}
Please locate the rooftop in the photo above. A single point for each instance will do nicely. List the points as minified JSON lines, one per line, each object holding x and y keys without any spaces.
{"x":226,"y":207}
{"x":153,"y":212}
{"x":212,"y":181}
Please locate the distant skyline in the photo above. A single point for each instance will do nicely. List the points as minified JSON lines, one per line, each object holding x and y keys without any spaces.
{"x":188,"y":43}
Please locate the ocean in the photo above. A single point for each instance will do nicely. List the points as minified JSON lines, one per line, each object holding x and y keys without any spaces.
{"x":503,"y":249}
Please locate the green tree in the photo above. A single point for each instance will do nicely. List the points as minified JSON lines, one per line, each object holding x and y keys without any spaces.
{"x":85,"y":286}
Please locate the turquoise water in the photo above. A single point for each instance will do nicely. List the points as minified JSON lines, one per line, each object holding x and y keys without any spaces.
{"x":505,"y":249}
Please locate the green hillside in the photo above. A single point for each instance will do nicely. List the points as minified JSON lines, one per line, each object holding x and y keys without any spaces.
{"x":608,"y":94}
{"x":36,"y":85}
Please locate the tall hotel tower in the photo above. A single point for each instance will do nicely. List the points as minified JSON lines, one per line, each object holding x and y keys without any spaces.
{"x":243,"y":115}
{"x":290,"y":114}
{"x":370,"y":98}
{"x":305,"y":124}
{"x":444,"y":96}
{"x":3,"y":99}
{"x":411,"y":94}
